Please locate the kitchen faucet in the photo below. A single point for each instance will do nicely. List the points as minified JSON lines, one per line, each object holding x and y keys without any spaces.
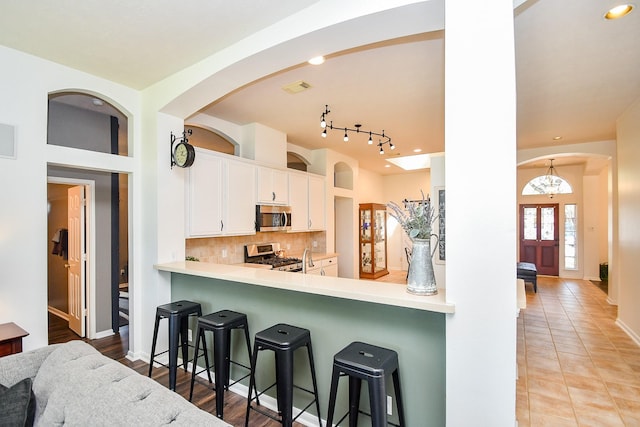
{"x":306,"y":252}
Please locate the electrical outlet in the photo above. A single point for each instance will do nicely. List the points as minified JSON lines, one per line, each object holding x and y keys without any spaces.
{"x":190,"y":335}
{"x":389,"y":406}
{"x":288,"y":246}
{"x":315,"y":244}
{"x":224,"y":253}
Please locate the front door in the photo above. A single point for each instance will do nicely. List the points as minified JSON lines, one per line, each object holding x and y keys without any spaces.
{"x":539,"y":237}
{"x":76,"y":263}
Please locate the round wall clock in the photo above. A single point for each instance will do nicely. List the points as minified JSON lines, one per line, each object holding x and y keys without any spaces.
{"x":184,"y":154}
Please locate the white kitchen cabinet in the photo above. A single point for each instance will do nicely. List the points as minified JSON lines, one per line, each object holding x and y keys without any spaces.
{"x":299,"y":201}
{"x":220,"y":196}
{"x":204,"y":196}
{"x":325,"y":267}
{"x":239,"y":206}
{"x":273,"y":186}
{"x":306,"y":197}
{"x":316,"y":203}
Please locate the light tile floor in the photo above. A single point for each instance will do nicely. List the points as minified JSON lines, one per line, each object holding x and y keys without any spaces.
{"x":576,"y":367}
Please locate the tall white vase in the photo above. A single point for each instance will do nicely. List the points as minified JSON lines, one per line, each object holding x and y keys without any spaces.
{"x":422,"y":280}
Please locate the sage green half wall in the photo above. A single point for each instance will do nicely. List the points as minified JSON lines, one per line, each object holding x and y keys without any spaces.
{"x":418,"y":337}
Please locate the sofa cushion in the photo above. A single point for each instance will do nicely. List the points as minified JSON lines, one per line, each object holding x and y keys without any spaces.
{"x":78,"y":386}
{"x":16,"y":367}
{"x":17,"y":404}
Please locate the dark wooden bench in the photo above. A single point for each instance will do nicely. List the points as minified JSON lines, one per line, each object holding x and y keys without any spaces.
{"x":529,"y":273}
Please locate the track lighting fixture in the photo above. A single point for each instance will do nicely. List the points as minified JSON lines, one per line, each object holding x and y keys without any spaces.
{"x":356,"y":128}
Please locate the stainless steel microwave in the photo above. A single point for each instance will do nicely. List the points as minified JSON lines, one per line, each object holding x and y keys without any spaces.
{"x":273,"y":218}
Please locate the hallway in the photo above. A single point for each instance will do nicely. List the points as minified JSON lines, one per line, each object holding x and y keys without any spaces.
{"x":575,"y":365}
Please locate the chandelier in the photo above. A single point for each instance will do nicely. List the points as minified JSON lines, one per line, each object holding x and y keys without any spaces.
{"x":385,"y":139}
{"x":552,"y":181}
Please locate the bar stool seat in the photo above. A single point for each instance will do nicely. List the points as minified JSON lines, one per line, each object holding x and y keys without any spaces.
{"x":284,"y":340}
{"x":221,"y":324}
{"x":178,"y":314}
{"x":360,"y":361}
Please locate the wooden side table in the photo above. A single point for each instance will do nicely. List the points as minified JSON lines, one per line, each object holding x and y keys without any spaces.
{"x":11,"y":338}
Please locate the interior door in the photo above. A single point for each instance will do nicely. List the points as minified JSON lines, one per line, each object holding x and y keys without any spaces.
{"x":76,"y":262}
{"x":539,"y":237}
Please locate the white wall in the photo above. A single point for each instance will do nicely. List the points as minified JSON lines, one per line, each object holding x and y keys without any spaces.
{"x":480,"y":141}
{"x":23,"y":216}
{"x":628,"y":131}
{"x":397,"y":188}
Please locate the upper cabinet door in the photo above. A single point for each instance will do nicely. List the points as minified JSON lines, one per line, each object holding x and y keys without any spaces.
{"x":299,"y":201}
{"x":240,"y":205}
{"x":273,"y":186}
{"x":204,"y":196}
{"x":316,"y":203}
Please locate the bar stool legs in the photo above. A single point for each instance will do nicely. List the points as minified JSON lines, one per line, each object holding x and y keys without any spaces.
{"x":177,"y":313}
{"x":360,"y":361}
{"x":283,"y":340}
{"x":221,"y":324}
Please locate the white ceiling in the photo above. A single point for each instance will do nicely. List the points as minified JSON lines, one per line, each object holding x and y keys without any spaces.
{"x":576,"y":72}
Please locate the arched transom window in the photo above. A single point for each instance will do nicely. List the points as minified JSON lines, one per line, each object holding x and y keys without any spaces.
{"x":549,"y":184}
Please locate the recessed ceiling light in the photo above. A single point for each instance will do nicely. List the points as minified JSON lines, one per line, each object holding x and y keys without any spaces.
{"x":618,"y":11}
{"x":557,"y":138}
{"x":97,"y":102}
{"x":316,"y":60}
{"x":417,"y":150}
{"x":387,"y":166}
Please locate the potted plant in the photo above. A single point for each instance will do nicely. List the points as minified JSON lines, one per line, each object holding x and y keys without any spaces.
{"x":416,"y":219}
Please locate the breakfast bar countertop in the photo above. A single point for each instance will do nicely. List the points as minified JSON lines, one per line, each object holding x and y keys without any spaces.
{"x":392,"y":294}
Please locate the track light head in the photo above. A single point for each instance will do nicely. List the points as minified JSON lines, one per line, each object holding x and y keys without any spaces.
{"x":346,"y":137}
{"x":370,"y":142}
{"x":324,"y":132}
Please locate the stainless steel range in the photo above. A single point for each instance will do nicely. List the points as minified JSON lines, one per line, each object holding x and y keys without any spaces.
{"x":270,"y":254}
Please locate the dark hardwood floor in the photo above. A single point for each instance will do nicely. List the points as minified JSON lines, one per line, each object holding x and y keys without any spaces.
{"x":117,"y":346}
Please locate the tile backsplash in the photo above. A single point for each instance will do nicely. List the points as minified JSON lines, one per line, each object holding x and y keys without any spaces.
{"x":212,"y":249}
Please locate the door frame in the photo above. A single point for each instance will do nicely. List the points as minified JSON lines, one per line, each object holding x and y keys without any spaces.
{"x":90,"y":273}
{"x":555,"y":242}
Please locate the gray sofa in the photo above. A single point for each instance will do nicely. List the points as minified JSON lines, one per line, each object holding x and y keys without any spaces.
{"x":75,"y":385}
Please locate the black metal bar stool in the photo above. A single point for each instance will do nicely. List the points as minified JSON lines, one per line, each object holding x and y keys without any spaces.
{"x":221,"y":324}
{"x":178,"y":314}
{"x":360,"y":361}
{"x":284,"y":340}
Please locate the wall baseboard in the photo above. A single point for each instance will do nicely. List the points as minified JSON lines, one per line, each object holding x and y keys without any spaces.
{"x":58,"y":313}
{"x":104,"y":334}
{"x":635,"y":337}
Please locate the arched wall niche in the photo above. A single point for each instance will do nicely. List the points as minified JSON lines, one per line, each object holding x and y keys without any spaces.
{"x":211,"y":139}
{"x":342,"y":176}
{"x":296,"y":161}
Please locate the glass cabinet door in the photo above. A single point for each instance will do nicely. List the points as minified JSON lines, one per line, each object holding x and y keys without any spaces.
{"x":365,"y":225}
{"x":365,"y":262}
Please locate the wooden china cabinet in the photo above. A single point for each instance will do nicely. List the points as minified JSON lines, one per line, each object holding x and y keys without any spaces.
{"x":373,"y":240}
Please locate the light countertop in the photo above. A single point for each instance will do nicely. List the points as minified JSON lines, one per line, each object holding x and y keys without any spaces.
{"x":360,"y":290}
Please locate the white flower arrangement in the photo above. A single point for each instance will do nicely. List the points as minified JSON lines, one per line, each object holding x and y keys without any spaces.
{"x":416,"y":218}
